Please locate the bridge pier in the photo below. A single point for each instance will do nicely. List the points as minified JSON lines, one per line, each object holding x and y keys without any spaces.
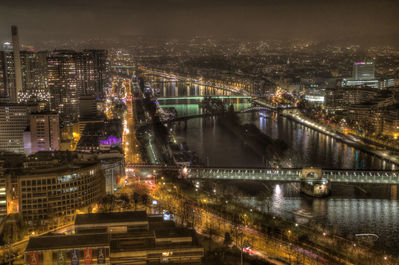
{"x":394,"y":192}
{"x":313,"y":184}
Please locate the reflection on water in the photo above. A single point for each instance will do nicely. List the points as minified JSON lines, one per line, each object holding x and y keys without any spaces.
{"x":311,"y":148}
{"x":346,"y":211}
{"x":306,"y":146}
{"x":163,"y":87}
{"x":343,"y":212}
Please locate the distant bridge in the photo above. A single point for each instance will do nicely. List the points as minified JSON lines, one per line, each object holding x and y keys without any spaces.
{"x":176,"y":77}
{"x":202,"y":97}
{"x":189,"y":117}
{"x":282,"y":175}
{"x":204,"y":115}
{"x":255,"y":108}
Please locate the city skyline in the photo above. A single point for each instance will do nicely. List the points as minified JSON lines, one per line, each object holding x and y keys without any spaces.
{"x":124,"y":139}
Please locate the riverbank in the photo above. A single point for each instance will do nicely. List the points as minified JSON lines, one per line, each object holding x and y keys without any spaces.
{"x":217,"y":214}
{"x":382,"y":154}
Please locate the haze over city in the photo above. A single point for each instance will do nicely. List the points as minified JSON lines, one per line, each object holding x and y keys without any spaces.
{"x":253,"y":19}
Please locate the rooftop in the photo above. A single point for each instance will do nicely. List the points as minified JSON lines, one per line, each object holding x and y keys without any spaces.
{"x":67,"y":242}
{"x":108,"y":218}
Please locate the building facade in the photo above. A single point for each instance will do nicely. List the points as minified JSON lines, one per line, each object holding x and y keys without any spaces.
{"x":363,"y":71}
{"x":117,"y":238}
{"x":14,"y":119}
{"x":45,"y":131}
{"x":44,"y":195}
{"x":73,"y":74}
{"x":62,"y":83}
{"x":17,"y":65}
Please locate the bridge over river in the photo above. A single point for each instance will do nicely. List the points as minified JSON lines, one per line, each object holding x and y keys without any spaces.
{"x":204,"y":115}
{"x":281,"y":175}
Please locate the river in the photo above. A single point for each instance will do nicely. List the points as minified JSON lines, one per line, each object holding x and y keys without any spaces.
{"x":347,"y":210}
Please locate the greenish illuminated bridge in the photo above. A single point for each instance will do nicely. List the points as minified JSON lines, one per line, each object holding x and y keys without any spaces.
{"x":202,"y":97}
{"x":281,"y":175}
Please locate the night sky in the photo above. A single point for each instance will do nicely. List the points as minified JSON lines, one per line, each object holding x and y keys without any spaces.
{"x":267,"y":19}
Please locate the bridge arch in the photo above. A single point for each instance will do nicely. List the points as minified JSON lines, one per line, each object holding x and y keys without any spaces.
{"x":311,"y":173}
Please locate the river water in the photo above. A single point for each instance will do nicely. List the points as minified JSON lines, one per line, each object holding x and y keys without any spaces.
{"x":347,"y":210}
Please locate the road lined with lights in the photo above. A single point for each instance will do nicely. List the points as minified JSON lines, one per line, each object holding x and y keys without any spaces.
{"x":267,"y":248}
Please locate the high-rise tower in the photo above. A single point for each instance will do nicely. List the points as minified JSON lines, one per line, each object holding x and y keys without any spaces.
{"x":363,"y":71}
{"x":17,"y":66}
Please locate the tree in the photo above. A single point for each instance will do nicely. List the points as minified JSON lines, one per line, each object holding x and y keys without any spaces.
{"x":144,"y":199}
{"x":141,"y":188}
{"x":136,"y":197}
{"x":125,"y":199}
{"x":107,"y":203}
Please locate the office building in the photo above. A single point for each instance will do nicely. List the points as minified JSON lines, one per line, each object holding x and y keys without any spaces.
{"x":117,"y":238}
{"x":345,"y":97}
{"x":93,"y":73}
{"x":17,"y":66}
{"x":7,"y":72}
{"x":58,"y":191}
{"x":73,"y":74}
{"x":113,"y":165}
{"x":34,"y":78}
{"x":45,"y":132}
{"x":363,"y":71}
{"x":114,"y":172}
{"x":49,"y":187}
{"x":381,"y":84}
{"x":27,"y":142}
{"x":3,"y":75}
{"x":363,"y":75}
{"x":100,"y":136}
{"x":14,"y":119}
{"x":62,"y":83}
{"x":87,"y":108}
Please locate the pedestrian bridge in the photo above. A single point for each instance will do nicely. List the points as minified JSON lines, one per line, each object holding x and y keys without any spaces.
{"x":280,"y":175}
{"x":202,"y":97}
{"x":295,"y":175}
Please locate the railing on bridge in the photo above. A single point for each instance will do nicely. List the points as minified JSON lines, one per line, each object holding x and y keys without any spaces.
{"x":202,"y":97}
{"x":255,"y":108}
{"x":245,"y":174}
{"x":358,"y":176}
{"x":152,"y":166}
{"x":286,"y":175}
